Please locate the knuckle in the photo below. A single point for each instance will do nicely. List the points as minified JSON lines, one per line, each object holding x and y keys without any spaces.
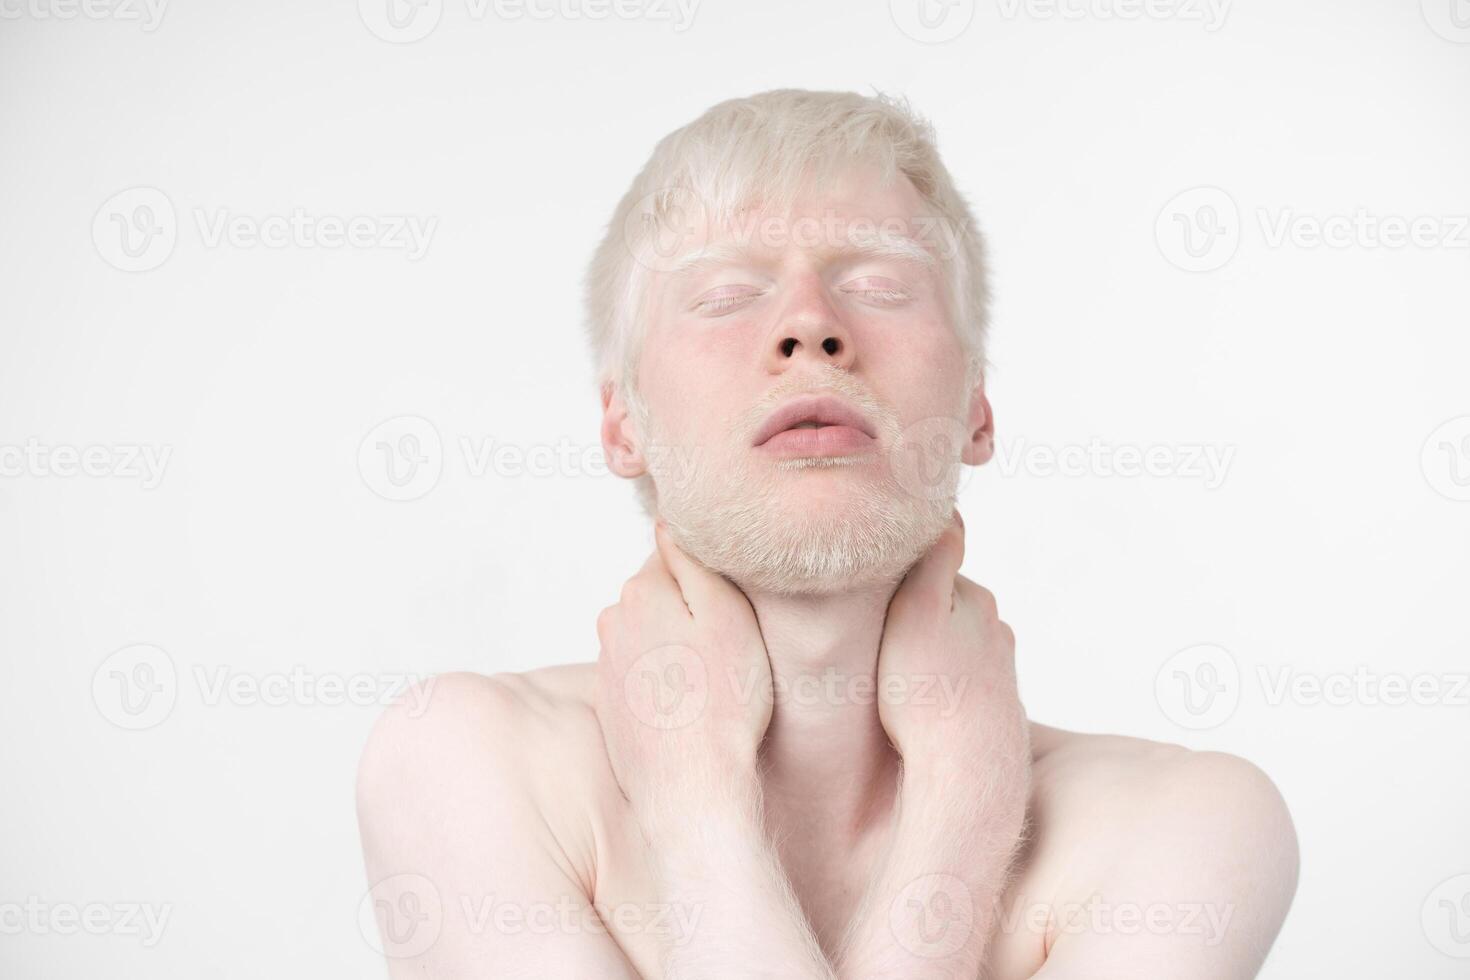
{"x":979,"y":596}
{"x":605,"y":621}
{"x":635,"y":590}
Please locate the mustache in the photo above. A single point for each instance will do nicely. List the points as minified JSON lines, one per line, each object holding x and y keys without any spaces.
{"x":823,"y":379}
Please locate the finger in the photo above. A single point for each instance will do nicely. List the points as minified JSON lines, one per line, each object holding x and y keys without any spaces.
{"x":978,"y":596}
{"x":703,"y":589}
{"x":934,"y":574}
{"x":654,"y":586}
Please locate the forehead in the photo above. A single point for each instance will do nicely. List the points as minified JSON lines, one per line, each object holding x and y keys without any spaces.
{"x":856,"y":212}
{"x":850,"y":199}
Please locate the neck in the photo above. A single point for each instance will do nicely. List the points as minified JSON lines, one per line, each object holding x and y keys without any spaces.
{"x":826,"y":754}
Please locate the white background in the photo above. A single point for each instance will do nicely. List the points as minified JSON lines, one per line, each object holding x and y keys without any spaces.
{"x":1335,"y":542}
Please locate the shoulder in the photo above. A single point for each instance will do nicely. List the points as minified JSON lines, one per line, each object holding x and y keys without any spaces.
{"x":1167,"y":830}
{"x":1143,"y":782}
{"x":514,"y":753}
{"x":450,"y":719}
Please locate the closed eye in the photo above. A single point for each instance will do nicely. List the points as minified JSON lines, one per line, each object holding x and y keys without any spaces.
{"x":876,"y":289}
{"x":724,"y":299}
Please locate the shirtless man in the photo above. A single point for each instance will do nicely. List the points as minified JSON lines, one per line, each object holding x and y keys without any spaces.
{"x":801,"y":752}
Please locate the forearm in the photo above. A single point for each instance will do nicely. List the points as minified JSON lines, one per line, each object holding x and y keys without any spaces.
{"x":930,"y":910}
{"x":714,"y":862}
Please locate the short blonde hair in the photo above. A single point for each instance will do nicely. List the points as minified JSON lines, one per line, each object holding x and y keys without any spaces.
{"x":771,"y":147}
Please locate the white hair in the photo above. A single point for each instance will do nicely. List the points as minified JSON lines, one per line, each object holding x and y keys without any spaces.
{"x":771,"y":147}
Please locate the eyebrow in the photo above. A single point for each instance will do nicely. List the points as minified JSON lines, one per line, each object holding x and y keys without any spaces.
{"x":888,"y":246}
{"x":859,"y":244}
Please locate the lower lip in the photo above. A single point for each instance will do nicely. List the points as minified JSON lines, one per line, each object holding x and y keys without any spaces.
{"x":829,"y":440}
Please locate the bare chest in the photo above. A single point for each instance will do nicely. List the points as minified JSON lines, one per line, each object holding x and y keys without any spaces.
{"x":830,"y":886}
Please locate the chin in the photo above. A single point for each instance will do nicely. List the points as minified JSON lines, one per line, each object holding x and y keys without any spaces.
{"x":805,"y":527}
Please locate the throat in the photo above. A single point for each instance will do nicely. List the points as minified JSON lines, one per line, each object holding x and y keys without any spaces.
{"x":829,"y":774}
{"x":829,"y":839}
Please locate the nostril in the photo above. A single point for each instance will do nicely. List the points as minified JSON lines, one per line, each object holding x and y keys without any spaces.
{"x":788,"y":346}
{"x":831,"y":345}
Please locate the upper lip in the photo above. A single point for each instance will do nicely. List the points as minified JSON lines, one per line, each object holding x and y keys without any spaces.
{"x":822,"y":409}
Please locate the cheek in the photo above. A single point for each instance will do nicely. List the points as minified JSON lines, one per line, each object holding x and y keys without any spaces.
{"x":923,"y":371}
{"x":685,"y":402}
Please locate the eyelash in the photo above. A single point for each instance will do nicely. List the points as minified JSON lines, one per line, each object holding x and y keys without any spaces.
{"x":881,"y":295}
{"x":721,"y":304}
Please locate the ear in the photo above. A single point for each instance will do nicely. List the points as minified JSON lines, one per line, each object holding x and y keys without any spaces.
{"x":619,"y":438}
{"x":980,"y":423}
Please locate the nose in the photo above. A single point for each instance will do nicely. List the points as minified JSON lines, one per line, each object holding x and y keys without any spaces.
{"x":810,"y":328}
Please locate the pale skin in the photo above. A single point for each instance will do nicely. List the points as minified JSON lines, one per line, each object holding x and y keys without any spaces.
{"x":568,"y":832}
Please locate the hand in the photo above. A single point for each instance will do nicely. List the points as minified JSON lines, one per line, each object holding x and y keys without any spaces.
{"x":947,"y":686}
{"x":684,"y":683}
{"x":947,"y":670}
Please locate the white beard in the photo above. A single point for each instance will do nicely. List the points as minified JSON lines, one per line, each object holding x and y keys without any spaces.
{"x":735,"y":517}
